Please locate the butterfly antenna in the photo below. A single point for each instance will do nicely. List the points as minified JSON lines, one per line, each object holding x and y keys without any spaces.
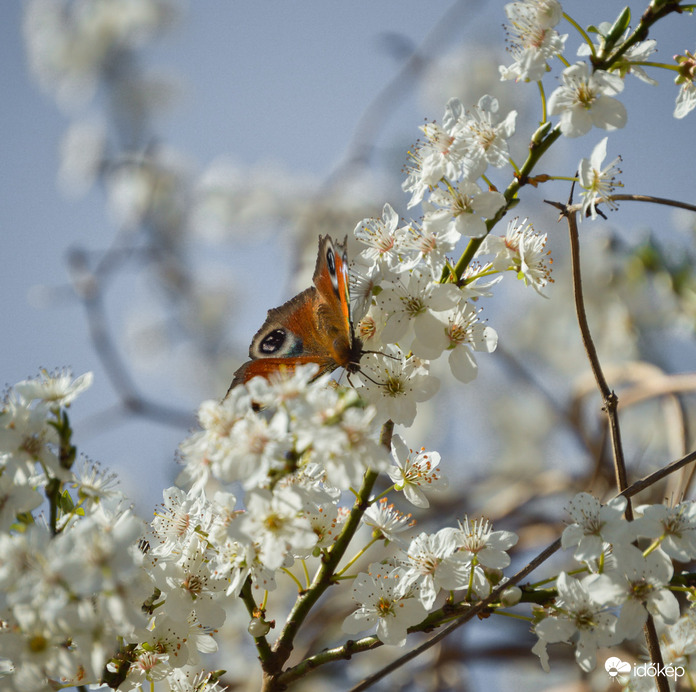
{"x":386,"y":355}
{"x":367,"y":377}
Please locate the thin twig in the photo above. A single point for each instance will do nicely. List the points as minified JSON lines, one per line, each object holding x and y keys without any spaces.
{"x":572,"y":208}
{"x":658,"y":475}
{"x":611,"y":404}
{"x":654,"y":200}
{"x":563,"y":412}
{"x":471,"y":613}
{"x":641,"y":381}
{"x":611,"y":401}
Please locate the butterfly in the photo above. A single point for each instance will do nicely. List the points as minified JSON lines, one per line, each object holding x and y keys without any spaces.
{"x":313,"y":327}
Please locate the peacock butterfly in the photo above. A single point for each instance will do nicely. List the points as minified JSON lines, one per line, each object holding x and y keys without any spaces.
{"x":313,"y":327}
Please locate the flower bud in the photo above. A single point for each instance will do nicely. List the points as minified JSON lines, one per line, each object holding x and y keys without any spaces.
{"x":511,"y":596}
{"x":258,"y":627}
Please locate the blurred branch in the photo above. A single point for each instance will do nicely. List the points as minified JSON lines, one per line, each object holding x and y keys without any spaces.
{"x":378,"y":111}
{"x":88,"y":289}
{"x":643,"y":381}
{"x":566,"y":414}
{"x":658,"y":475}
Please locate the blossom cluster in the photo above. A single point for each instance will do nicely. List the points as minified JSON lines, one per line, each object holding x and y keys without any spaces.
{"x":398,"y":593}
{"x":621,"y":583}
{"x":76,"y":582}
{"x":295,"y":457}
{"x":409,"y":303}
{"x":586,"y":98}
{"x":97,"y":575}
{"x":66,"y":591}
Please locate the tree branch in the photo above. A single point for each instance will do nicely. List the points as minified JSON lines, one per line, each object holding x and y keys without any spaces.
{"x":611,"y":403}
{"x":323,"y":578}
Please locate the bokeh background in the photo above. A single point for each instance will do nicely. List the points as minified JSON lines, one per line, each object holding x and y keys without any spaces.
{"x":156,"y":202}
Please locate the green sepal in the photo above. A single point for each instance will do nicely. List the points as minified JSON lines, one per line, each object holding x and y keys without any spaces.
{"x":65,"y":502}
{"x":618,"y":28}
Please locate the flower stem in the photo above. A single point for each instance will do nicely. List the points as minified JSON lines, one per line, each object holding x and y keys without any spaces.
{"x":582,"y":33}
{"x":542,"y":94}
{"x":515,"y":616}
{"x":293,"y":577}
{"x":357,"y":556}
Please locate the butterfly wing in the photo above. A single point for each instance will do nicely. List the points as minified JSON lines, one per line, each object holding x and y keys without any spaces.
{"x":331,"y":279}
{"x":332,"y":283}
{"x":289,"y":337}
{"x":312,"y":327}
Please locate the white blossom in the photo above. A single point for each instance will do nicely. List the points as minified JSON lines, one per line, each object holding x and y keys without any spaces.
{"x":678,"y":641}
{"x":522,"y":250}
{"x":480,"y":547}
{"x":532,"y":40}
{"x":410,"y":307}
{"x":686,"y":79}
{"x":383,"y":603}
{"x":484,"y":137}
{"x":369,"y":329}
{"x":257,"y":446}
{"x":395,"y":384}
{"x":387,"y":520}
{"x":188,"y":583}
{"x":489,"y":547}
{"x":277,"y":522}
{"x":674,"y":527}
{"x":460,"y":334}
{"x":577,"y":615}
{"x":175,"y":524}
{"x":16,"y":498}
{"x":464,"y":207}
{"x":639,"y":584}
{"x":587,"y":100}
{"x":598,"y":182}
{"x":594,"y":525}
{"x":440,"y":156}
{"x":428,"y":245}
{"x":26,"y":437}
{"x":415,"y":473}
{"x":432,"y":563}
{"x":363,"y":280}
{"x":381,"y":238}
{"x":56,"y":389}
{"x":238,"y":559}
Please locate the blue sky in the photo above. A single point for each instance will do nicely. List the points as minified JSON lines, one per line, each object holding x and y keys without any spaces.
{"x":262,"y":82}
